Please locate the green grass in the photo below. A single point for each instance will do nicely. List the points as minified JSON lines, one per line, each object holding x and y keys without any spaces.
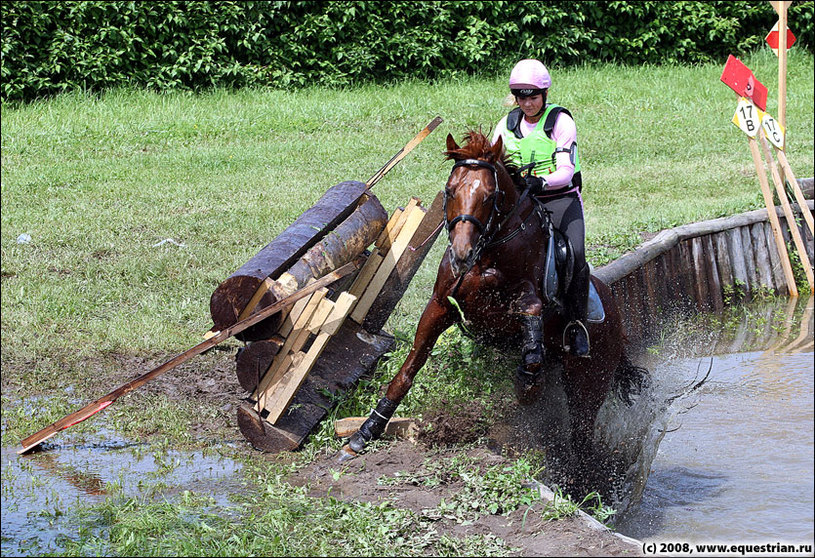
{"x":98,"y":181}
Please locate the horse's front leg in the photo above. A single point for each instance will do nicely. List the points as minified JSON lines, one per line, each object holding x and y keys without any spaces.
{"x":437,"y":316}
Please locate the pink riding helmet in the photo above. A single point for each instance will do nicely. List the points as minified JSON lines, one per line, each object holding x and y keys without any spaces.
{"x":529,"y":74}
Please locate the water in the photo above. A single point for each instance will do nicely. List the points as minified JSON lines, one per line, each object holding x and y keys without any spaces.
{"x":736,"y":464}
{"x":39,"y":491}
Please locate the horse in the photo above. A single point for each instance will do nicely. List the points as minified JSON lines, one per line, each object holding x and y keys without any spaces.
{"x":493,"y":277}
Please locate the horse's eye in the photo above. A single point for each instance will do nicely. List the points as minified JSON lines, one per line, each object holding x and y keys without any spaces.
{"x":448,"y":192}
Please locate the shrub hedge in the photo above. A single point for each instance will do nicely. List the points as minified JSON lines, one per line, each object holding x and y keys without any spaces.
{"x":54,"y":46}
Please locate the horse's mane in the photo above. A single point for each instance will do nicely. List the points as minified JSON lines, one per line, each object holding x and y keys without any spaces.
{"x":478,"y":146}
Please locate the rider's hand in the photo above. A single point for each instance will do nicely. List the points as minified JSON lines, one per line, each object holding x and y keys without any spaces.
{"x":535,"y":184}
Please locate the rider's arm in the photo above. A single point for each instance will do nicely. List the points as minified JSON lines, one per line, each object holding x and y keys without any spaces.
{"x":565,"y":135}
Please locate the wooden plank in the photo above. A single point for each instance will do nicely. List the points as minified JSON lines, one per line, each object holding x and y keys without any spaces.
{"x":278,"y":401}
{"x":414,"y":219}
{"x":366,"y":273}
{"x":750,"y":259}
{"x":399,"y":279}
{"x":394,"y":223}
{"x":735,"y":246}
{"x":292,"y":317}
{"x":701,"y":290}
{"x":389,"y":236}
{"x":291,"y":343}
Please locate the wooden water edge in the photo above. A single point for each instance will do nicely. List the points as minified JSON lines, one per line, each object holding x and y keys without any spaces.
{"x":701,"y":267}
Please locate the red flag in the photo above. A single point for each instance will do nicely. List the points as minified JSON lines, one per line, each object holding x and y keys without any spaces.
{"x":740,"y":79}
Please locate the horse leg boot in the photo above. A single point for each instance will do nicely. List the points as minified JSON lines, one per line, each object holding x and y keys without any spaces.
{"x":527,"y":385}
{"x":373,"y":428}
{"x":576,"y":335}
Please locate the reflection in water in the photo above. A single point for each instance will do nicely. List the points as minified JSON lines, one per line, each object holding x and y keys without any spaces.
{"x":39,"y":489}
{"x":737,"y":463}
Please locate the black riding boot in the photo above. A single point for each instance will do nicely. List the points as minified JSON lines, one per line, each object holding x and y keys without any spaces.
{"x":528,"y":382}
{"x":576,"y":336}
{"x":532,"y":346}
{"x":373,"y":428}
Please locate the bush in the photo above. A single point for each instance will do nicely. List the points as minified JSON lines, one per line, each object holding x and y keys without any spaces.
{"x":53,"y":46}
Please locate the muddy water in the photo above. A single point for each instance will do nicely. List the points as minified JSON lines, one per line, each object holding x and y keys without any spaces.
{"x":40,"y":491}
{"x":736,"y":462}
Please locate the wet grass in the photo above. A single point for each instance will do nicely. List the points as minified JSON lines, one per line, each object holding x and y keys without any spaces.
{"x":98,"y":182}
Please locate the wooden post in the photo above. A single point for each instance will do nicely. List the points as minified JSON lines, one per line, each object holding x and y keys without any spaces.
{"x":785,"y":204}
{"x":768,"y":202}
{"x":782,"y":63}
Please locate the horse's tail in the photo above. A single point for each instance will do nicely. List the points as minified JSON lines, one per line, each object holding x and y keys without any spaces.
{"x":630,"y":380}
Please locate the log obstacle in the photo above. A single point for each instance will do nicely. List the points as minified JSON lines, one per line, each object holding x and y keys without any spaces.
{"x":293,"y":368}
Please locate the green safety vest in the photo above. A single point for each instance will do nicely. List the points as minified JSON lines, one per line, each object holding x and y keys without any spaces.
{"x":537,"y":146}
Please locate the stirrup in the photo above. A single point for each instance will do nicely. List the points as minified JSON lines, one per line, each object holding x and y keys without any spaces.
{"x":568,"y":347}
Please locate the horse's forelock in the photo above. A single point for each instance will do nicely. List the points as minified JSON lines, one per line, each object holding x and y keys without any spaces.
{"x":478,"y":146}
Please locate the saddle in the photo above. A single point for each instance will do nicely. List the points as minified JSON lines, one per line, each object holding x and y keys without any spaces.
{"x":559,"y":268}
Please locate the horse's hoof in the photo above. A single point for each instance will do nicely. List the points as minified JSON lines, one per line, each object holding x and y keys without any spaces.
{"x":528,"y":386}
{"x":345,"y":454}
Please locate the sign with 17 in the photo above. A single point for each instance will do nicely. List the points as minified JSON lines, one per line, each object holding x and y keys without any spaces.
{"x":747,"y":117}
{"x":773,"y":130}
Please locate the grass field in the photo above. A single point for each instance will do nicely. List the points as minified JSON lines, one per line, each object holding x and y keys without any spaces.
{"x":98,"y":181}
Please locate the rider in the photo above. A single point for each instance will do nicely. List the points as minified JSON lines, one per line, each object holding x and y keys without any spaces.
{"x":545,"y":134}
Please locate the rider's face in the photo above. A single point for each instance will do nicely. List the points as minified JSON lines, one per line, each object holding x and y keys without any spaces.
{"x":530,"y":105}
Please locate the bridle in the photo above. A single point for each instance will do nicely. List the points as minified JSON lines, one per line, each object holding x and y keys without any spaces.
{"x":487,"y":232}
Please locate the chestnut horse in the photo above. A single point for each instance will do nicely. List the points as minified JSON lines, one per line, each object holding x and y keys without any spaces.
{"x":492,"y":275}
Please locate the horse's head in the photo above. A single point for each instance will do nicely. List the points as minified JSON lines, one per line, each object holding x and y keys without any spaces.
{"x":475,"y":195}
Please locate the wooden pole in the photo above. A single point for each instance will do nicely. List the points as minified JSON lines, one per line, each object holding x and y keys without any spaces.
{"x":774,"y":222}
{"x":785,"y":204}
{"x":782,"y":63}
{"x":796,"y":188}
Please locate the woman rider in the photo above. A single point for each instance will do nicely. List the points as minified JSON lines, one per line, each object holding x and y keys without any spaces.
{"x":545,"y":134}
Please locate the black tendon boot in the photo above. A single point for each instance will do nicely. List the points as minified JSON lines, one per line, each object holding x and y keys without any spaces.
{"x":576,"y":336}
{"x":373,"y":428}
{"x":527,"y":378}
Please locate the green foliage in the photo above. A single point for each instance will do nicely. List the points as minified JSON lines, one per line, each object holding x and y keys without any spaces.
{"x":54,"y":46}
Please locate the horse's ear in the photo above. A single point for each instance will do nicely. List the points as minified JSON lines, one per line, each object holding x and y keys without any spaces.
{"x":498,"y":148}
{"x":451,"y":143}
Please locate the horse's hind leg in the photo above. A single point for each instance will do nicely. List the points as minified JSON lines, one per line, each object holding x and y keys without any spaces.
{"x":436,"y":318}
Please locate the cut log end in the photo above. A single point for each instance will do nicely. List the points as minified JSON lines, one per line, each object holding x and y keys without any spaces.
{"x":233,"y":295}
{"x":262,"y":435}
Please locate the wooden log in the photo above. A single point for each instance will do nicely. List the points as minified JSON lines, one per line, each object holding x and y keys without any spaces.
{"x":233,"y":294}
{"x":741,"y":279}
{"x":348,"y":356}
{"x":763,"y":264}
{"x":406,"y":267}
{"x":714,"y":282}
{"x":701,"y":289}
{"x":342,"y":244}
{"x":253,"y":360}
{"x":723,"y":265}
{"x":750,"y":259}
{"x":775,"y":261}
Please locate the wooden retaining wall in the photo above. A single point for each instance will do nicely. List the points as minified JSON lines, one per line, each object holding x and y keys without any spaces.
{"x":699,"y":267}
